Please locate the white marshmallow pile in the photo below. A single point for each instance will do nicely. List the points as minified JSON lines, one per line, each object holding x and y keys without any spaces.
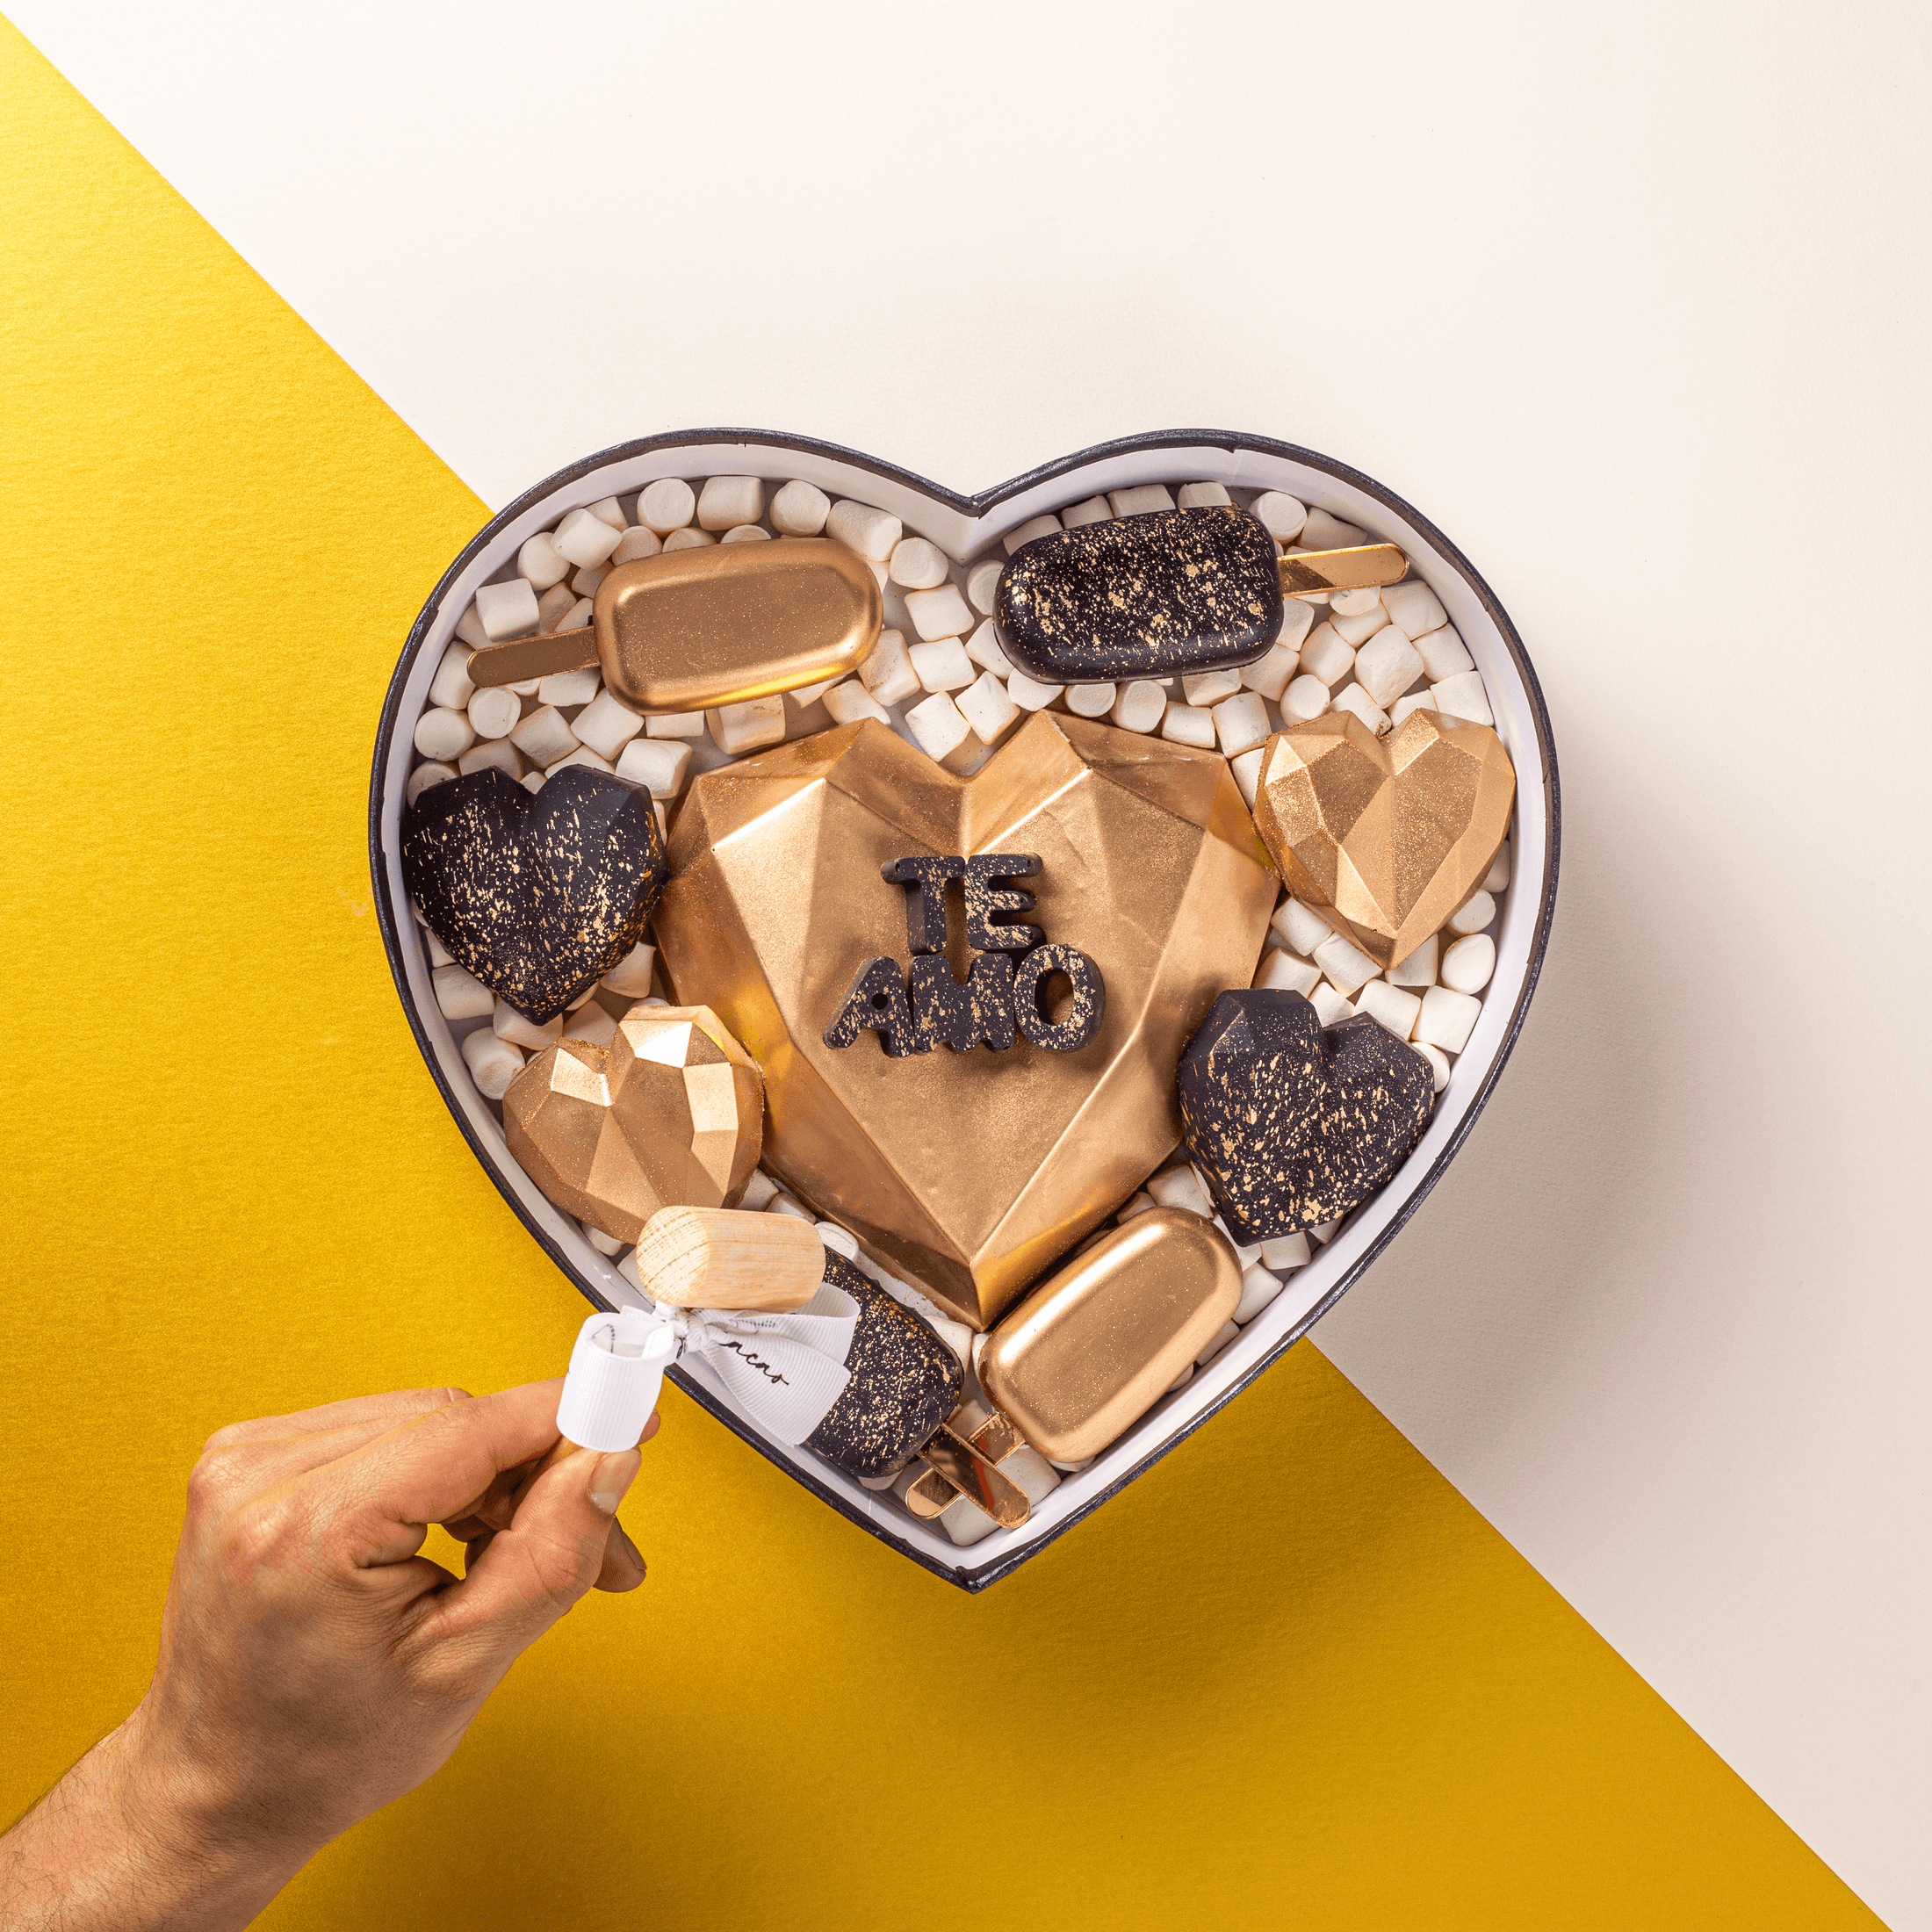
{"x":941,"y":679}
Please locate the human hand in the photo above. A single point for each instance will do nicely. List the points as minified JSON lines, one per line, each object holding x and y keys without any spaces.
{"x":313,"y":1665}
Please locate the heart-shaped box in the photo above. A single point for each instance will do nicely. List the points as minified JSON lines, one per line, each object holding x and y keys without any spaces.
{"x":966,"y":528}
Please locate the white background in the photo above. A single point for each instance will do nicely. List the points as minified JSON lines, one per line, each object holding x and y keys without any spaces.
{"x":1631,"y":301}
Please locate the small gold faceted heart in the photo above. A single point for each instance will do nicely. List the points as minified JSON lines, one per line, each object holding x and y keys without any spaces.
{"x":671,"y":1113}
{"x":967,"y":1172}
{"x":1386,"y":836}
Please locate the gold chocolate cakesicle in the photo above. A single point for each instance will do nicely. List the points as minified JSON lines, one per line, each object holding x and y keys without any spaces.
{"x":722,"y":623}
{"x":1089,"y":1352}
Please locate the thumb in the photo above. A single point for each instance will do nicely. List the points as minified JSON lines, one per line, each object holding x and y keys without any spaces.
{"x":550,"y":1555}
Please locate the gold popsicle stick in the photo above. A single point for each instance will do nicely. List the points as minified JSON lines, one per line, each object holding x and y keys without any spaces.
{"x":525,"y":658}
{"x":955,"y":1468}
{"x":1365,"y":566}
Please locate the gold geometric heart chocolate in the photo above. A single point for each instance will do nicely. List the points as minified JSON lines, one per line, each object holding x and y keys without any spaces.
{"x":1389,"y":836}
{"x":967,"y":1172}
{"x":670,"y":1113}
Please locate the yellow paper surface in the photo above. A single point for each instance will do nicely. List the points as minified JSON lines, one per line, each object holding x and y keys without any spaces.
{"x":1289,"y":1678}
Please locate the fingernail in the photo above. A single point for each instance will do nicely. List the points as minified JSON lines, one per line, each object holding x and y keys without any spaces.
{"x":614,"y":1475}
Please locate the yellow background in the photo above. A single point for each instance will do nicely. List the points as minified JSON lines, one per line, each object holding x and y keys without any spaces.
{"x":1289,"y":1678}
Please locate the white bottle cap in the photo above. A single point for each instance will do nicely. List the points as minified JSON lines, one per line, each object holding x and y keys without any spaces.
{"x":616,"y":1371}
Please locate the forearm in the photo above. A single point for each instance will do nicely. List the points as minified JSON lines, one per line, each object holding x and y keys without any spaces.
{"x":126,"y":1843}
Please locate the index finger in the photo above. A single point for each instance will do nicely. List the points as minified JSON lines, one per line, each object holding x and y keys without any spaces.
{"x":433,"y":1466}
{"x":397,"y":1405}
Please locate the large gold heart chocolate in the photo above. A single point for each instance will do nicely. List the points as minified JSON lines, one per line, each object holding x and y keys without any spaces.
{"x":668,"y":1115}
{"x":1386,"y":836}
{"x":968,"y":1172}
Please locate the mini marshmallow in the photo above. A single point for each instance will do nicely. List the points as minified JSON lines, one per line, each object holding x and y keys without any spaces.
{"x":610,"y":510}
{"x":1247,"y":771}
{"x":607,"y":726}
{"x":508,"y":1024}
{"x":1356,"y":631}
{"x":450,"y":687}
{"x":726,"y":501}
{"x":1305,"y":698}
{"x":1444,"y":654}
{"x":1419,"y":969}
{"x":631,"y":975}
{"x":1283,"y":1252}
{"x":1327,"y":1231}
{"x":1389,"y":1006}
{"x":987,"y":707}
{"x":1352,"y":697}
{"x":1358,"y":603}
{"x":1218,"y":1340}
{"x":916,"y":564}
{"x":984,"y":649}
{"x":1413,"y":608}
{"x":1136,"y":1204}
{"x":469,"y":627}
{"x":1473,"y":914}
{"x":603,"y":1242}
{"x":583,"y":755}
{"x":1141,"y":498}
{"x":808,"y":694}
{"x":1301,"y":928}
{"x":1037,"y":526}
{"x":942,"y":667}
{"x":1325,"y":656}
{"x":442,"y":733}
{"x":1439,"y":1063}
{"x":1282,"y":516}
{"x":1323,"y":531}
{"x":532,"y":782}
{"x":847,"y":704}
{"x":840,"y":1240}
{"x":1209,"y":687}
{"x":689,"y":538}
{"x":1188,"y":724}
{"x":1258,"y":1288}
{"x":554,"y":607}
{"x":439,"y":954}
{"x":784,"y":1204}
{"x":1387,"y":665}
{"x":591,"y":1023}
{"x":1091,"y":700}
{"x":1177,"y":1187}
{"x":1497,"y":879}
{"x":420,"y":781}
{"x":460,"y":994}
{"x":496,"y":754}
{"x":1331,"y":1007}
{"x":585,"y":581}
{"x":1446,"y":1019}
{"x":666,"y":505}
{"x":983,"y":584}
{"x":675,"y":724}
{"x":1269,"y":674}
{"x":1463,"y":696}
{"x":1140,"y":705}
{"x":585,"y":539}
{"x":1467,"y":964}
{"x":1094,"y":510}
{"x":657,"y":764}
{"x":638,"y":541}
{"x":1345,"y":964}
{"x":507,"y":611}
{"x":1029,"y":693}
{"x":562,"y":688}
{"x":1241,"y":724}
{"x":544,"y":736}
{"x":888,"y":674}
{"x":800,"y":509}
{"x":1201,"y":496}
{"x":942,"y":733}
{"x":858,"y":526}
{"x":746,"y":533}
{"x":761,"y":1190}
{"x":1405,"y":708}
{"x":740,"y":728}
{"x":492,"y":1063}
{"x":539,"y":561}
{"x":1283,"y":973}
{"x":494,"y":713}
{"x":941,"y":613}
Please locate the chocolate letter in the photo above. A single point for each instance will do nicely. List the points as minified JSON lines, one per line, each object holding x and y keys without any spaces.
{"x":985,"y":876}
{"x":875,"y":999}
{"x":1089,"y":1007}
{"x":962,"y":1016}
{"x":925,"y":903}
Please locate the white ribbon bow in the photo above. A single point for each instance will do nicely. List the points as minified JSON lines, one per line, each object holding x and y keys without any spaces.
{"x":784,"y":1371}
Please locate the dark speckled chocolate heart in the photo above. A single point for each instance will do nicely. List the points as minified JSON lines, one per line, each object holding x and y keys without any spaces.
{"x":538,"y":896}
{"x":1293,"y":1124}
